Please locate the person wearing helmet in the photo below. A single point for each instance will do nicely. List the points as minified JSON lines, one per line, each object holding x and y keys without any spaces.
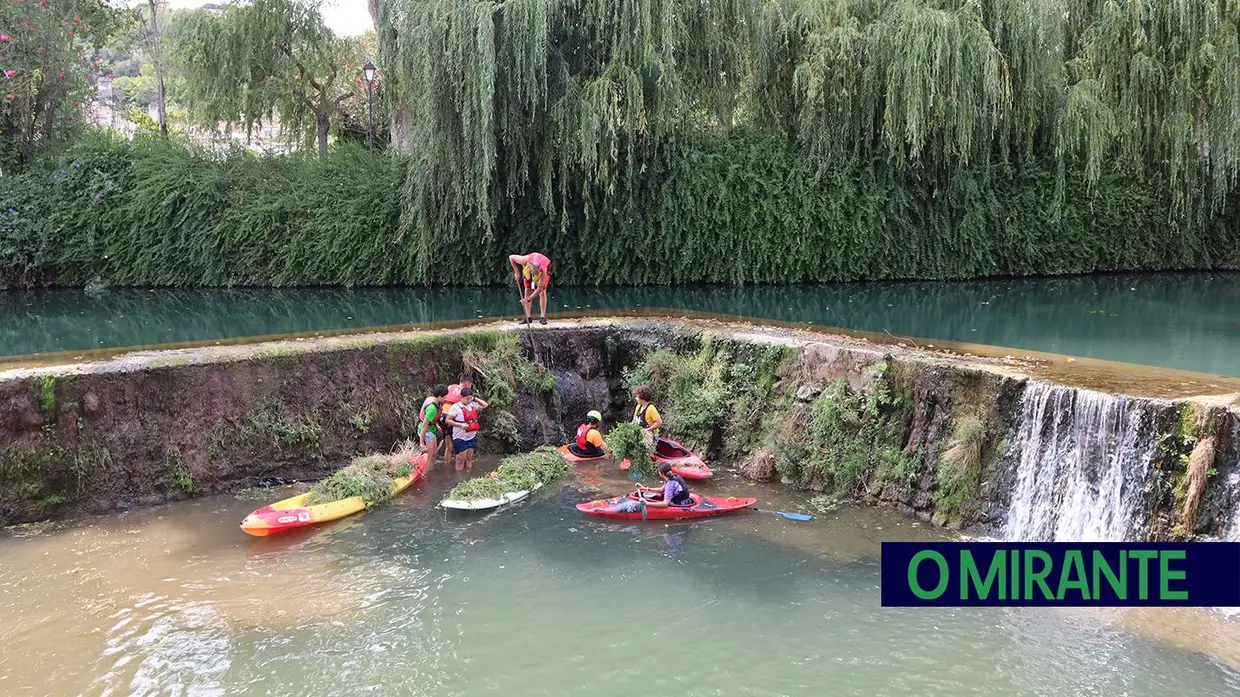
{"x":532,"y":273}
{"x":589,"y":441}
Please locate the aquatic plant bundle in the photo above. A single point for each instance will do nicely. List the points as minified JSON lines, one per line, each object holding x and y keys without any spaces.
{"x":372,"y":477}
{"x":516,"y":473}
{"x":632,"y":442}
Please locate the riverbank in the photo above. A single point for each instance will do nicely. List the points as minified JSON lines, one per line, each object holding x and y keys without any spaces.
{"x":143,"y":427}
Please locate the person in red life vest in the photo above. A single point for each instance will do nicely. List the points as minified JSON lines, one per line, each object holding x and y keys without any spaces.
{"x":589,"y":441}
{"x":532,"y":273}
{"x":466,"y":380}
{"x":463,"y":418}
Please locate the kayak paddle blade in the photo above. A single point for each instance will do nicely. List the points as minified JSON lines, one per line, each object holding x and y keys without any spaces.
{"x":789,"y":516}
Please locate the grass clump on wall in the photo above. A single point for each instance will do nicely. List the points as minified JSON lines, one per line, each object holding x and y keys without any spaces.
{"x":372,"y":477}
{"x":701,"y":391}
{"x":842,"y":438}
{"x":501,"y":369}
{"x":959,"y":469}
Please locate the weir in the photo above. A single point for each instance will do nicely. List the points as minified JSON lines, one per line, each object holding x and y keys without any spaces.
{"x":1054,"y":461}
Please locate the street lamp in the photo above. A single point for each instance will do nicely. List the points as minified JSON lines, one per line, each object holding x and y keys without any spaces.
{"x":369,"y":71}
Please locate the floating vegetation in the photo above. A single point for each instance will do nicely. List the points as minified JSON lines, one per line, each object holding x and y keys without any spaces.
{"x":373,"y":477}
{"x":630,"y":441}
{"x":516,"y":473}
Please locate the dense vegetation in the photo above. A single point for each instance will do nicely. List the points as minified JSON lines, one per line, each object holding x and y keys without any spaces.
{"x":653,"y":141}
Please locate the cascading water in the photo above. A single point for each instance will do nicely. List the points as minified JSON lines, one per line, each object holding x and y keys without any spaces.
{"x":1083,"y":460}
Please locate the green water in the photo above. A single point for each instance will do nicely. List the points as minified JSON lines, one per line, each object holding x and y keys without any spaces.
{"x":538,"y":599}
{"x":1182,"y":320}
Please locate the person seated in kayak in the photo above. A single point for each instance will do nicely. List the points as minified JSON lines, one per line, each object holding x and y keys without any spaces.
{"x":466,"y":380}
{"x":532,"y":272}
{"x":589,"y":441}
{"x":463,"y":418}
{"x":675,"y":492}
{"x":647,"y":414}
{"x":430,"y":428}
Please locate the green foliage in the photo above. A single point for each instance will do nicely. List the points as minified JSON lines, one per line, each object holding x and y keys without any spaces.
{"x":699,"y":392}
{"x":153,"y":213}
{"x":842,"y":438}
{"x":269,"y":422}
{"x":265,"y":58}
{"x":959,"y":469}
{"x":372,"y":477}
{"x":520,"y":472}
{"x":501,"y":369}
{"x":47,"y":394}
{"x":578,"y":109}
{"x":47,"y":60}
{"x":630,"y":441}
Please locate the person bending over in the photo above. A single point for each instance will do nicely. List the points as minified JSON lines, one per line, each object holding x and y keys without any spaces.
{"x":532,"y":273}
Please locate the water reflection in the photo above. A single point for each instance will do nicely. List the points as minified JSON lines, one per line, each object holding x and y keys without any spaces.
{"x":1178,"y":320}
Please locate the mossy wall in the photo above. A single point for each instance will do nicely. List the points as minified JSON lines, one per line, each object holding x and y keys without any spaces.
{"x":922,"y":432}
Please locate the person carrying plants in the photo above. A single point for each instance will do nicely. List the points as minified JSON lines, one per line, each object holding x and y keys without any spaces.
{"x":532,"y":273}
{"x":674,"y":492}
{"x":466,"y":380}
{"x":463,"y":418}
{"x":647,"y":414}
{"x":589,"y":441}
{"x":430,"y":425}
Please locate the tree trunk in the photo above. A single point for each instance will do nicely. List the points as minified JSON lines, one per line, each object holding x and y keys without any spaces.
{"x":322,"y":124}
{"x":157,"y":53}
{"x":374,"y":7}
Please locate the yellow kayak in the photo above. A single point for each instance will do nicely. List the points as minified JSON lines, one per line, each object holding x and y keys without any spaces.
{"x":294,"y":513}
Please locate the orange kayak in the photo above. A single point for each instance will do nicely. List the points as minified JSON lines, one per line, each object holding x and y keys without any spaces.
{"x":294,"y":513}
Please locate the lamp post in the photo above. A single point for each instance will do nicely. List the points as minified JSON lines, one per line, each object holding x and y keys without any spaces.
{"x":369,"y":71}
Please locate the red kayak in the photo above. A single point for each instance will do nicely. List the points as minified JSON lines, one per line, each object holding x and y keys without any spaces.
{"x":682,"y":460}
{"x":700,"y":507}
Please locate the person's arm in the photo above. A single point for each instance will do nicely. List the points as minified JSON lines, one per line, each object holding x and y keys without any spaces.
{"x":481,"y":404}
{"x":663,"y":502}
{"x":517,"y":261}
{"x":425,"y":424}
{"x":658,"y":418}
{"x":456,"y":418}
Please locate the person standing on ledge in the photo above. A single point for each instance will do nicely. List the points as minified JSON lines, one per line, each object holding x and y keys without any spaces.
{"x":532,"y":272}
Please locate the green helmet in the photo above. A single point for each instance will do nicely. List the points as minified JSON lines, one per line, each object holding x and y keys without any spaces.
{"x":595,"y":415}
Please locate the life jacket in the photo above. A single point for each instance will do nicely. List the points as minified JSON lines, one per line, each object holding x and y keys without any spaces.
{"x":683,"y":497}
{"x":583,"y":436}
{"x":454,"y":394}
{"x":430,"y":401}
{"x":639,"y":415}
{"x":469,"y":414}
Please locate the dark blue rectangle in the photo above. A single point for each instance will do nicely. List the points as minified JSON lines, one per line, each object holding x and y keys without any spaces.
{"x":1206,"y":574}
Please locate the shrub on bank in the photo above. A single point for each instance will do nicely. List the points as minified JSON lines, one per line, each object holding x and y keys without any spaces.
{"x":733,"y":207}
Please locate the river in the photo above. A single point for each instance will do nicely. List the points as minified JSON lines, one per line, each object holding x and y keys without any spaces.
{"x":1189,"y":321}
{"x":537,"y":599}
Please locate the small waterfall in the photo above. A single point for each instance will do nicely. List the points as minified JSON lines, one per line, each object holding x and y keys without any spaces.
{"x":1083,"y":460}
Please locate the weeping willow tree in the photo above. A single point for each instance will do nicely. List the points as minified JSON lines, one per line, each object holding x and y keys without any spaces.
{"x":250,"y":62}
{"x":570,"y":105}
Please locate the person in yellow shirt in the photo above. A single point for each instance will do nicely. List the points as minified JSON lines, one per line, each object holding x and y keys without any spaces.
{"x":647,"y":414}
{"x":589,"y":441}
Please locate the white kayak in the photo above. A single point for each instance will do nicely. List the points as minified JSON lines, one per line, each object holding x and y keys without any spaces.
{"x":486,"y":504}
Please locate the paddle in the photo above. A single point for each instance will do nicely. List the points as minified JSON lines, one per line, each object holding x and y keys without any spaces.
{"x":789,"y":516}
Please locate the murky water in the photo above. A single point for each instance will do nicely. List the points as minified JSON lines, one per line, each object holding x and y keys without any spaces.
{"x":538,"y":599}
{"x":1176,"y":320}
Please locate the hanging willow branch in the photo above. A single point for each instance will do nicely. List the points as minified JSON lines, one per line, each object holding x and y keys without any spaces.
{"x":576,"y":100}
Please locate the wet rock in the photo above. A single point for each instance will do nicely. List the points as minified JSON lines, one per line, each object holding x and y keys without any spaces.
{"x":807,"y":393}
